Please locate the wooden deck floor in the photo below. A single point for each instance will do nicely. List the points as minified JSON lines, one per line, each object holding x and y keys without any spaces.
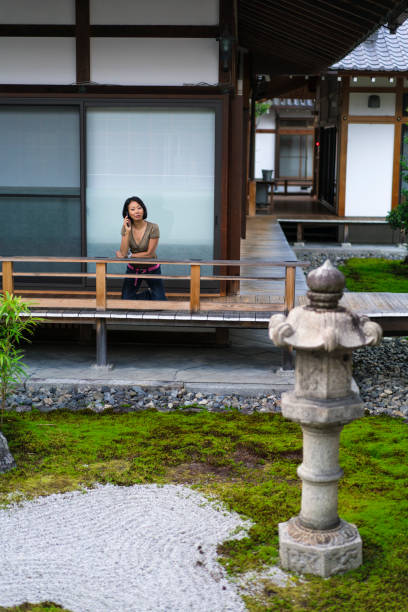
{"x":266,"y":240}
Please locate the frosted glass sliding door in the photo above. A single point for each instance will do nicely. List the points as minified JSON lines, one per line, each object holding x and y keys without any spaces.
{"x":166,"y":157}
{"x":40,"y":183}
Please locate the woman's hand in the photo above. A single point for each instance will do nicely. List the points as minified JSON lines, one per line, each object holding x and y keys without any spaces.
{"x":119,"y":255}
{"x":127,"y":226}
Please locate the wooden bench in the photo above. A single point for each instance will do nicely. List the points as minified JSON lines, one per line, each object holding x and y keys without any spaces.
{"x":291,"y":182}
{"x":102,"y":307}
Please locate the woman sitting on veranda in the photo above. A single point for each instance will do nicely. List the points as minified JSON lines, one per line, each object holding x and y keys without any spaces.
{"x":139,"y":241}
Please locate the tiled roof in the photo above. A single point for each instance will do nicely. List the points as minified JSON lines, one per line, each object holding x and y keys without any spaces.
{"x":381,"y":51}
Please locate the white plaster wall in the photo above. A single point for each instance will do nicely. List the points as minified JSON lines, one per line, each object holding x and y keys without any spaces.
{"x":266,"y":121}
{"x":264,"y":153}
{"x":265,"y":144}
{"x":154,"y":61}
{"x":32,"y":60}
{"x":359,"y":104}
{"x":60,"y":12}
{"x":154,"y":12}
{"x":370,"y":151}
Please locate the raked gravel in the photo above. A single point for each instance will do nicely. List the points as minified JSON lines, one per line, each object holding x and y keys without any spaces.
{"x":143,"y":548}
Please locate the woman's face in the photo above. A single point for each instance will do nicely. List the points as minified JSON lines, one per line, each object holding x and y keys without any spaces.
{"x":135,"y":211}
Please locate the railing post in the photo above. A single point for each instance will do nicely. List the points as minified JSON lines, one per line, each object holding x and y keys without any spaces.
{"x":299,"y":232}
{"x":101,"y":286}
{"x":195,"y":288}
{"x":290,"y":276}
{"x":8,"y":284}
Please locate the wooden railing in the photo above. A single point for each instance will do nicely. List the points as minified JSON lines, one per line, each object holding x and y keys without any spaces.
{"x":196,"y":302}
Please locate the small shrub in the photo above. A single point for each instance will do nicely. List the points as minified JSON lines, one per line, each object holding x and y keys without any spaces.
{"x":16,"y":325}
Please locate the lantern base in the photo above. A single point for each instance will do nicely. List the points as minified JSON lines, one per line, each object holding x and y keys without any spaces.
{"x":322,"y":553}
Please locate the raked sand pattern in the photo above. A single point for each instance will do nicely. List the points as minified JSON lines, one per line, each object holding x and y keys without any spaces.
{"x":124,"y":549}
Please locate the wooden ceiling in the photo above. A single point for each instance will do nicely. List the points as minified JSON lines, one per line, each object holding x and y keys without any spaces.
{"x":307,"y":36}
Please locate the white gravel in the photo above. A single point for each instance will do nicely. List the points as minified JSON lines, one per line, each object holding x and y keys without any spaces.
{"x":141,"y":548}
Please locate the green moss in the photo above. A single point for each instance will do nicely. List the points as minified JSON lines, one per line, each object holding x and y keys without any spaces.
{"x":249,"y":462}
{"x":45,"y":606}
{"x":375,"y":274}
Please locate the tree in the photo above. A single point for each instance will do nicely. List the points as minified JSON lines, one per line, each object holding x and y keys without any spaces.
{"x":398,"y":217}
{"x":16,"y":325}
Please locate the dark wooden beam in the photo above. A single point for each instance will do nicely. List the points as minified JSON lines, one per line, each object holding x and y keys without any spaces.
{"x":37,"y":30}
{"x":283,"y":85}
{"x":227,"y":26}
{"x":154,"y":31}
{"x":83,"y":55}
{"x":109,"y":91}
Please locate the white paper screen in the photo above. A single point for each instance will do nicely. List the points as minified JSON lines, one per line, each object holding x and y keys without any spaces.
{"x":163,"y":156}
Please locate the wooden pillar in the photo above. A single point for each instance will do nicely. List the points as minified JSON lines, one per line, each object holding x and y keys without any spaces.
{"x":252,"y":199}
{"x":8,"y":284}
{"x":396,"y":171}
{"x":101,"y":343}
{"x":195,"y":288}
{"x":82,"y":41}
{"x":344,"y":111}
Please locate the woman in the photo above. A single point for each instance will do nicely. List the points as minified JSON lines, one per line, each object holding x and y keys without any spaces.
{"x":139,"y":240}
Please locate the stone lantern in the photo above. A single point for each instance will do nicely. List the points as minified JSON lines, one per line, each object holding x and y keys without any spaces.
{"x":324,"y":335}
{"x":6,"y":459}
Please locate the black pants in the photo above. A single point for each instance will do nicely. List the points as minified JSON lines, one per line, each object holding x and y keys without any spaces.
{"x":155,"y":289}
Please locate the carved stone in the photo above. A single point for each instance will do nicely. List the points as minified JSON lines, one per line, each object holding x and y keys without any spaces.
{"x":324,"y":335}
{"x":323,"y":553}
{"x":6,"y":458}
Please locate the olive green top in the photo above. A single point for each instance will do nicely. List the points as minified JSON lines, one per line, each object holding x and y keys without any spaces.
{"x":151,"y":231}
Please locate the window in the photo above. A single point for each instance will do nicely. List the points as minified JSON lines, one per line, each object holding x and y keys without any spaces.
{"x":164,"y":156}
{"x":162,"y":152}
{"x":39,"y":182}
{"x":296,"y":156}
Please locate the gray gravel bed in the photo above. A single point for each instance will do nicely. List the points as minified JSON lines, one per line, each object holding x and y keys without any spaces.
{"x":338,"y":256}
{"x":136,"y":549}
{"x":133,"y":399}
{"x":380,"y":372}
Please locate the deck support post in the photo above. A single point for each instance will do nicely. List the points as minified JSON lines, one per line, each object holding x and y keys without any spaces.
{"x":221,"y":336}
{"x":299,"y":232}
{"x":101,"y":343}
{"x":288,"y":362}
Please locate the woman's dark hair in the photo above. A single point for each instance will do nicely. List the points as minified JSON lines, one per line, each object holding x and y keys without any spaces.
{"x":125,"y":211}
